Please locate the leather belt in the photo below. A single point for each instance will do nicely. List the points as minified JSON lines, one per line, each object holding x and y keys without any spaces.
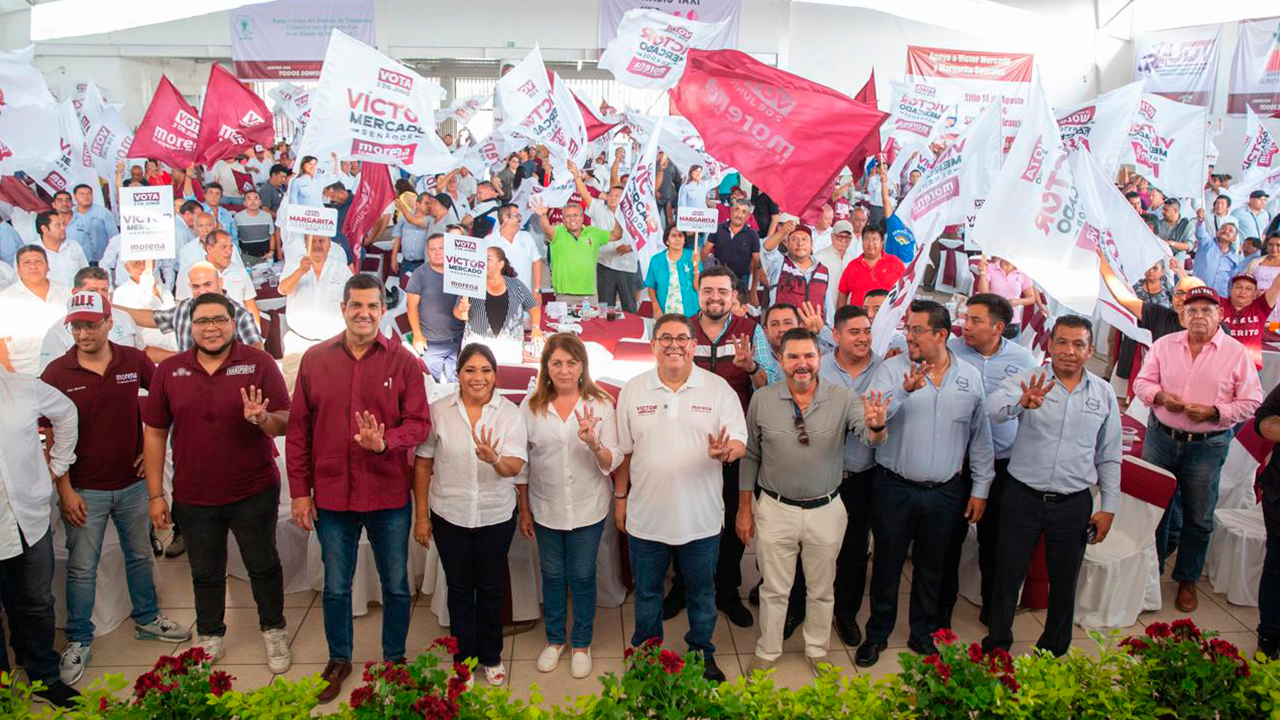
{"x":1183,"y":435}
{"x":1051,"y":498}
{"x":802,"y":504}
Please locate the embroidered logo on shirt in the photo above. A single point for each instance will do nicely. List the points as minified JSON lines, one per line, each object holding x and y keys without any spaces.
{"x":181,"y":372}
{"x":128,"y":377}
{"x":646,"y":409}
{"x":1011,"y":370}
{"x":962,"y":382}
{"x":242,"y":369}
{"x":700,"y":408}
{"x":1093,"y":404}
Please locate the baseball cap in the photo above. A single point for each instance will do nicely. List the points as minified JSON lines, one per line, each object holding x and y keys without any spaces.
{"x":1243,"y":276}
{"x":842,"y":226}
{"x":87,"y":306}
{"x":786,"y":218}
{"x":1201,"y":293}
{"x":1258,"y":194}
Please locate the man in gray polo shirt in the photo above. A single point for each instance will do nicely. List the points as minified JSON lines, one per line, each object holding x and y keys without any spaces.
{"x":795,"y":448}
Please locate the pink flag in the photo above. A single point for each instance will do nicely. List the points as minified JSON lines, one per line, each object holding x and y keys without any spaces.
{"x":373,"y":195}
{"x":169,"y":130}
{"x":787,"y":135}
{"x":235,"y":119}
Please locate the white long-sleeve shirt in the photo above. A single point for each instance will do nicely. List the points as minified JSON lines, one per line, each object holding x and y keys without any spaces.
{"x":25,"y":484}
{"x":567,"y":488}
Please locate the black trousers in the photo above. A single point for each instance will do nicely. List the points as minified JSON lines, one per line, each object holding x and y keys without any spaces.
{"x":253,"y":523}
{"x":1063,"y":523}
{"x":729,"y":562}
{"x":474,"y":560}
{"x":908,"y":515}
{"x":988,"y":546}
{"x":851,"y":564}
{"x":27,"y":582}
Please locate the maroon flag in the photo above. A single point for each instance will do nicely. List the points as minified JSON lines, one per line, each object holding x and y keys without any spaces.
{"x":169,"y":130}
{"x":867,"y":95}
{"x":870,"y":147}
{"x":590,"y":118}
{"x":16,"y":193}
{"x":787,"y":135}
{"x":373,"y":195}
{"x":234,"y":119}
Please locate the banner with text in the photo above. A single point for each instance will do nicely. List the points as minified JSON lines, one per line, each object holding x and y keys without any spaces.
{"x":465,"y":261}
{"x":287,"y":39}
{"x":707,"y":11}
{"x":546,"y":115}
{"x":311,"y":220}
{"x":978,"y":78}
{"x":146,"y":223}
{"x":1255,"y":68}
{"x":650,"y":48}
{"x":1179,"y":64}
{"x":234,"y":119}
{"x":169,"y":130}
{"x":1167,"y":143}
{"x":73,"y":166}
{"x":1101,"y":125}
{"x":697,"y":220}
{"x":1260,"y":168}
{"x":108,"y":141}
{"x":637,"y":211}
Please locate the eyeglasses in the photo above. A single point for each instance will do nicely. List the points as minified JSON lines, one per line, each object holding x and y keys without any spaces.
{"x":679,"y":340}
{"x":1205,"y":310}
{"x":917,"y":331}
{"x":211,"y":321}
{"x":84,"y":326}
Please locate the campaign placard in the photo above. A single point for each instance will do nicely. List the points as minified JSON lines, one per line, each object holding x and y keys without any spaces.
{"x":465,"y":260}
{"x":146,"y":223}
{"x":696,"y":219}
{"x":311,"y":220}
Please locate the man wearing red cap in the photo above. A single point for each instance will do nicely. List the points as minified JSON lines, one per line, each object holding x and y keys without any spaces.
{"x":1200,"y":384}
{"x":105,"y":481}
{"x":1245,"y":311}
{"x":796,"y":277}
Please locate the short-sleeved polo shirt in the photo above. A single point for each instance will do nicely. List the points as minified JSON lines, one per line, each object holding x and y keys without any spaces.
{"x":860,"y":277}
{"x":573,"y":260}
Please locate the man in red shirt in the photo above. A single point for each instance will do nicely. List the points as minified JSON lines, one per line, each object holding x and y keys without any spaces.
{"x":1245,"y":313}
{"x":873,"y":271}
{"x":224,"y":401}
{"x":103,"y":379}
{"x":359,"y":408}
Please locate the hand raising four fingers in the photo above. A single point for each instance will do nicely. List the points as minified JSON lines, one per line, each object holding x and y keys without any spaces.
{"x":1033,"y":392}
{"x":486,"y":444}
{"x":875,"y":409}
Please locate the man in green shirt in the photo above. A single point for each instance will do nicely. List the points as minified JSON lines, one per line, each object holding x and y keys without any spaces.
{"x":574,"y":249}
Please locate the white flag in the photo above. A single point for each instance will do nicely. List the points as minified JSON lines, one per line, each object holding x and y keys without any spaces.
{"x":1101,"y":125}
{"x":372,"y":108}
{"x":637,"y":211}
{"x":1260,"y":167}
{"x":1167,"y":142}
{"x":1033,"y":216}
{"x":555,"y":195}
{"x":29,"y":136}
{"x":107,"y":142}
{"x":533,"y":110}
{"x":73,"y":166}
{"x":896,"y":303}
{"x":89,"y":105}
{"x":21,"y":56}
{"x":650,"y":48}
{"x":462,"y":109}
{"x":678,"y":138}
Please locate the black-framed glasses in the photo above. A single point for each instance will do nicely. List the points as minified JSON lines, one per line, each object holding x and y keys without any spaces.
{"x":679,"y":340}
{"x":803,"y":434}
{"x":209,"y":321}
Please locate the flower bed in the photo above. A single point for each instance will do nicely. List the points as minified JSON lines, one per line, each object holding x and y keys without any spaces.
{"x":1175,"y":671}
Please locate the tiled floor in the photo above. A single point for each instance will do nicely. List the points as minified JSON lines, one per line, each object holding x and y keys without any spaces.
{"x":119,"y":652}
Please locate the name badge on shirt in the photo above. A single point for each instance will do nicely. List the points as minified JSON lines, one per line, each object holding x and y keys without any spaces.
{"x":242,"y":369}
{"x":643,"y":410}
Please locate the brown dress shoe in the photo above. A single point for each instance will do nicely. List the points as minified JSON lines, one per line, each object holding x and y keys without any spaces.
{"x":334,"y":673}
{"x":1186,"y":600}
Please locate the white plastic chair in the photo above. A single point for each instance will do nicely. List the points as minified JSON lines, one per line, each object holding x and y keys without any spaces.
{"x":1236,"y":549}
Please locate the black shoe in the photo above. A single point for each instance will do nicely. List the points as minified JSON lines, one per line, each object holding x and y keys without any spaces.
{"x":177,"y":545}
{"x":869,"y":653}
{"x":922,"y":649}
{"x":790,"y":624}
{"x":984,"y":617}
{"x":1269,"y":645}
{"x":672,"y":604}
{"x":60,"y":694}
{"x":850,"y":633}
{"x":753,"y":597}
{"x":710,"y":670}
{"x":737,"y":613}
{"x":157,"y":549}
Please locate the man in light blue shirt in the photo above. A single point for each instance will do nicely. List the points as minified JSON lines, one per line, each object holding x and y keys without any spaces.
{"x":412,"y":241}
{"x":1068,"y":440}
{"x":92,"y":226}
{"x":996,"y":358}
{"x":1254,"y":217}
{"x":935,"y":414}
{"x":213,"y":205}
{"x":1217,"y":259}
{"x":10,"y":241}
{"x":778,"y":319}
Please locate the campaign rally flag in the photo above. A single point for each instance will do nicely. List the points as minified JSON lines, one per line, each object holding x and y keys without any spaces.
{"x":1260,"y":167}
{"x":17,"y":194}
{"x":234,"y":119}
{"x":542,"y":114}
{"x":21,"y":83}
{"x":871,"y":146}
{"x":73,"y":166}
{"x":597,"y":125}
{"x":1119,"y":233}
{"x":169,"y":130}
{"x":462,"y":109}
{"x":89,"y":104}
{"x":650,"y":47}
{"x":372,"y":196}
{"x":637,"y":211}
{"x":1167,"y":144}
{"x":1101,"y":125}
{"x":371,"y":108}
{"x":108,"y":141}
{"x":1033,"y":218}
{"x":29,"y":137}
{"x":885,"y":326}
{"x":789,"y":135}
{"x":678,"y":138}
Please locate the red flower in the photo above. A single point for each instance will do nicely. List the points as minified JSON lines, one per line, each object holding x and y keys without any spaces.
{"x":1184,"y":627}
{"x":1218,"y":646}
{"x":652,"y":642}
{"x":975,"y":653}
{"x":1159,"y":630}
{"x":361,"y":695}
{"x":369,"y":674}
{"x":219,"y":682}
{"x":1010,"y":682}
{"x":449,"y":643}
{"x":671,"y":662}
{"x":626,"y":654}
{"x":944,"y":636}
{"x":999,"y":661}
{"x":462,"y":671}
{"x":944,"y":670}
{"x":434,"y":707}
{"x":396,"y":675}
{"x":194,"y":655}
{"x":456,"y":687}
{"x":103,"y":705}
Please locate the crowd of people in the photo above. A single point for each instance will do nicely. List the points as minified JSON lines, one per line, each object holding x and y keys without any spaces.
{"x":766,"y":418}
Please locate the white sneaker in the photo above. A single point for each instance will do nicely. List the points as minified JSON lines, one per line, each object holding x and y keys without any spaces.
{"x":162,"y":628}
{"x":212,"y":645}
{"x":75,"y":656}
{"x":550,"y":658}
{"x":496,"y":675}
{"x":278,"y":656}
{"x":580,"y":666}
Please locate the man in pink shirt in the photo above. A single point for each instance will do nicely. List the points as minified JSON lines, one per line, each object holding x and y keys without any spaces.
{"x":1200,"y":383}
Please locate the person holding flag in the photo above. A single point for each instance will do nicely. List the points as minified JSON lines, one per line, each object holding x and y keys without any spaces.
{"x":796,"y":277}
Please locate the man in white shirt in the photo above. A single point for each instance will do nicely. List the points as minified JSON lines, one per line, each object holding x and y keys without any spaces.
{"x":236,"y":282}
{"x":822,"y":229}
{"x":618,"y":268}
{"x":28,"y":308}
{"x":522,"y":251}
{"x":90,"y":225}
{"x":26,"y":540}
{"x":124,"y":331}
{"x":141,"y":291}
{"x":193,"y":252}
{"x":839,"y":253}
{"x":65,"y":258}
{"x":312,"y":284}
{"x":677,"y":425}
{"x":256,"y":228}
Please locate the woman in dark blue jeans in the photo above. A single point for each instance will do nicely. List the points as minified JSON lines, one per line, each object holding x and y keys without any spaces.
{"x":573,"y":446}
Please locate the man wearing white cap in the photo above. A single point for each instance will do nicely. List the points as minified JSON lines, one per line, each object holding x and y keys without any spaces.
{"x":1218,"y":260}
{"x":123,"y":330}
{"x":840,"y":252}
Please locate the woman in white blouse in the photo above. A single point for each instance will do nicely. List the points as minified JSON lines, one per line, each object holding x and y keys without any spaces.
{"x":466,"y":490}
{"x":573,"y":446}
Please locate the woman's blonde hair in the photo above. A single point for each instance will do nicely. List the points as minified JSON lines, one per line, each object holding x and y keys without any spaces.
{"x":546,"y":390}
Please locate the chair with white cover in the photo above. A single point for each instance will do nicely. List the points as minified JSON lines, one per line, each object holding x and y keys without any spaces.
{"x":1120,"y":576}
{"x":291,"y":540}
{"x":1236,"y":550}
{"x":1246,"y":457}
{"x":954,"y":271}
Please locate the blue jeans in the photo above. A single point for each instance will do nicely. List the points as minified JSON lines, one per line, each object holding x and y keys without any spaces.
{"x":126,"y":508}
{"x":697,"y":561}
{"x":1197,"y":466}
{"x":569,"y":560}
{"x":339,"y":534}
{"x":441,"y":358}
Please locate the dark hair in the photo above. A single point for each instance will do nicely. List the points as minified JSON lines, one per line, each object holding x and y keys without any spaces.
{"x":433,"y":236}
{"x":873,"y":229}
{"x":306,"y":159}
{"x":796,"y":334}
{"x":213,"y":186}
{"x":717,"y":271}
{"x":1274,"y":234}
{"x":781,"y":306}
{"x":335,"y":187}
{"x":403,"y":186}
{"x":1258,"y":242}
{"x":1132,"y":194}
{"x":1172,"y":201}
{"x":444,"y":199}
{"x":472,"y":349}
{"x":62,"y":192}
{"x":1071,"y":321}
{"x":1223,"y":197}
{"x":76,"y":189}
{"x":939,"y":318}
{"x":486,"y":184}
{"x":847,"y":313}
{"x":88,"y":273}
{"x":999,"y":307}
{"x":360,"y":281}
{"x":213,"y":236}
{"x":254,"y":191}
{"x":30,"y":249}
{"x":506,"y":210}
{"x":507,"y":270}
{"x":277,"y":168}
{"x":673,"y":228}
{"x":878,"y":292}
{"x":43,"y":220}
{"x":190,"y":206}
{"x":673,"y":318}
{"x":214,"y":298}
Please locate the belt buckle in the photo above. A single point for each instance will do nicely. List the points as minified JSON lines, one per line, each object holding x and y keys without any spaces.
{"x":1050,"y":497}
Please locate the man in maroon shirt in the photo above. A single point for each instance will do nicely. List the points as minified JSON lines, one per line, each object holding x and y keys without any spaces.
{"x":359,"y":409}
{"x":1245,"y":313}
{"x":103,"y":379}
{"x":223,"y":401}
